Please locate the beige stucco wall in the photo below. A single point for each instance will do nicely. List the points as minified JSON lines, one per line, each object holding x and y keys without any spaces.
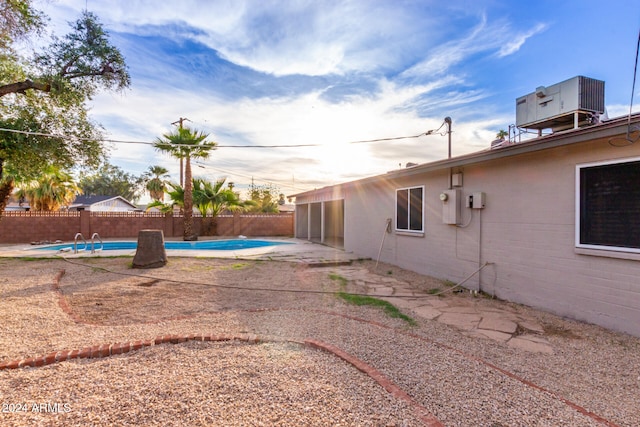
{"x":526,"y":232}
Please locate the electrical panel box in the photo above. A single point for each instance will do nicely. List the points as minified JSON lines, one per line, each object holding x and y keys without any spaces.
{"x":456,"y":180}
{"x":477,"y":200}
{"x":450,"y":206}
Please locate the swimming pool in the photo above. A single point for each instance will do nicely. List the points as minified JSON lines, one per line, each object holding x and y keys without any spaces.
{"x":215,"y":245}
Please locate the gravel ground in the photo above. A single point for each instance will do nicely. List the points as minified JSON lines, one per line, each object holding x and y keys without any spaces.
{"x":463,"y":381}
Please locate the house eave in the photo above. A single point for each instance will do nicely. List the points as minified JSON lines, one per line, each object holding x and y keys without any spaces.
{"x":608,"y":129}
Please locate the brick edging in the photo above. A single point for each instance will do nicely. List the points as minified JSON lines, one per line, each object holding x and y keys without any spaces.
{"x":425,"y":416}
{"x":55,"y":286}
{"x":106,"y":350}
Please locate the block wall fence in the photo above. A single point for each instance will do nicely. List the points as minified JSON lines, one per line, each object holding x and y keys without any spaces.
{"x":27,"y":227}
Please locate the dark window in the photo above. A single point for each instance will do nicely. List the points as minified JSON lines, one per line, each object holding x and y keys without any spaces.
{"x":609,"y":211}
{"x":402,"y":209}
{"x":409,"y":207}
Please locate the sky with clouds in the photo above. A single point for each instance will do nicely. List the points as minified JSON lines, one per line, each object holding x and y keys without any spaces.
{"x":328,"y":74}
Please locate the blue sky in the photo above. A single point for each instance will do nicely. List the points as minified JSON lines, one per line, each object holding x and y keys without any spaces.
{"x":333,"y":72}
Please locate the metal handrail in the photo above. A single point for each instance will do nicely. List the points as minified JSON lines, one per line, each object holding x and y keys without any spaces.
{"x":75,"y":243}
{"x":93,"y":237}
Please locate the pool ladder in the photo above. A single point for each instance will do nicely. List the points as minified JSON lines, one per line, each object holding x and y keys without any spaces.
{"x":94,"y":236}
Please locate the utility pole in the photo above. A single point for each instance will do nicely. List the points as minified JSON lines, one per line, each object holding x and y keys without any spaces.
{"x":180,"y":121}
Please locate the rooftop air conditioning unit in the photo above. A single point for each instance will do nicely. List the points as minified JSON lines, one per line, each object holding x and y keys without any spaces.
{"x":569,"y":104}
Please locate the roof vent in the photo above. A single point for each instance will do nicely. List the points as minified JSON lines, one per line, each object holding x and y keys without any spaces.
{"x":570,"y":104}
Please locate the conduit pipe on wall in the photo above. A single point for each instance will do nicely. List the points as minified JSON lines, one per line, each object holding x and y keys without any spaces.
{"x":387,"y":229}
{"x":457,"y":285}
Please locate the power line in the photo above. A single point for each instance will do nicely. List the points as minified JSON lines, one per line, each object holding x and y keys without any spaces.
{"x":275,"y":181}
{"x":118,"y":141}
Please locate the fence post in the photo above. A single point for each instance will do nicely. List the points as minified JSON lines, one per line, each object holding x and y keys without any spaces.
{"x":168,"y":224}
{"x":85,"y":223}
{"x":237,"y":226}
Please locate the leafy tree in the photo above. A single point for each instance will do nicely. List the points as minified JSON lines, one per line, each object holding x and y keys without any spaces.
{"x":46,"y":94}
{"x":18,"y":19}
{"x":75,"y":66}
{"x":52,"y":190}
{"x":186,"y":144}
{"x":265,"y":198}
{"x":111,"y":180}
{"x":155,"y":182}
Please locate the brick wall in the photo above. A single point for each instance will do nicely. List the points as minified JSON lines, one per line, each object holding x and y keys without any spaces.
{"x":26,"y":227}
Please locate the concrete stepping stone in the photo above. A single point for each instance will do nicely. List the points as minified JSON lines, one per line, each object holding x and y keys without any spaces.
{"x":436,"y":302}
{"x":494,"y":335}
{"x":499,"y":314}
{"x":460,"y":309}
{"x":464,"y":321}
{"x":404,"y":293}
{"x":524,"y":342}
{"x":531,"y":325}
{"x":400,"y":302}
{"x":498,"y":324}
{"x":427,"y":312}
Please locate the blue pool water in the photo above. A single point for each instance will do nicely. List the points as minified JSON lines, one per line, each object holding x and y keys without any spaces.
{"x":217,"y":245}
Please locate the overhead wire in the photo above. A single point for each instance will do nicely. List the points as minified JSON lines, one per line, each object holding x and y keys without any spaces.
{"x":119,"y":141}
{"x":227,"y":172}
{"x":628,"y":140}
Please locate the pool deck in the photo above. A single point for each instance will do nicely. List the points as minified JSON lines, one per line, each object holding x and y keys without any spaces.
{"x":297,"y":250}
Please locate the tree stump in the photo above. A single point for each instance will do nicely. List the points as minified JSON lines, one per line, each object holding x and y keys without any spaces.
{"x":150,"y":252}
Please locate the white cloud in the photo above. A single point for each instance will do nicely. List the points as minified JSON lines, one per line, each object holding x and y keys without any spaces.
{"x":619,"y":110}
{"x":280,"y":38}
{"x":517,"y":40}
{"x":483,"y":37}
{"x":305,"y":119}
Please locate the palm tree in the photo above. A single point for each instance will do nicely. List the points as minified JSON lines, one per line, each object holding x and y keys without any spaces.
{"x":186,"y":144}
{"x":502,"y":134}
{"x":176,"y":195}
{"x":156,"y":182}
{"x":212,"y":197}
{"x":52,"y":190}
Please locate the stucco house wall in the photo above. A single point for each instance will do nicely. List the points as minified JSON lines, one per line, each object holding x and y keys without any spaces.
{"x":526,"y":232}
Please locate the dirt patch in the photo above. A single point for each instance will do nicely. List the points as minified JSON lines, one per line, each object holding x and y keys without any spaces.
{"x":560,"y":331}
{"x":113,"y":294}
{"x":134,"y":300}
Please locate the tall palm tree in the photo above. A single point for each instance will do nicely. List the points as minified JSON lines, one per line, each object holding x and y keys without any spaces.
{"x":186,"y":144}
{"x":156,"y":182}
{"x":52,"y":190}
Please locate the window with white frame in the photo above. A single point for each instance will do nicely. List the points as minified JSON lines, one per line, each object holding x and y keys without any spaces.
{"x":608,"y":205}
{"x":410,"y":209}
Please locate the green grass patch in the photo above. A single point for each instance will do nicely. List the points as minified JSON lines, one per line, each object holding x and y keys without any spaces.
{"x":433,"y":291}
{"x":390,"y":309}
{"x":338,"y":278}
{"x":239,"y":266}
